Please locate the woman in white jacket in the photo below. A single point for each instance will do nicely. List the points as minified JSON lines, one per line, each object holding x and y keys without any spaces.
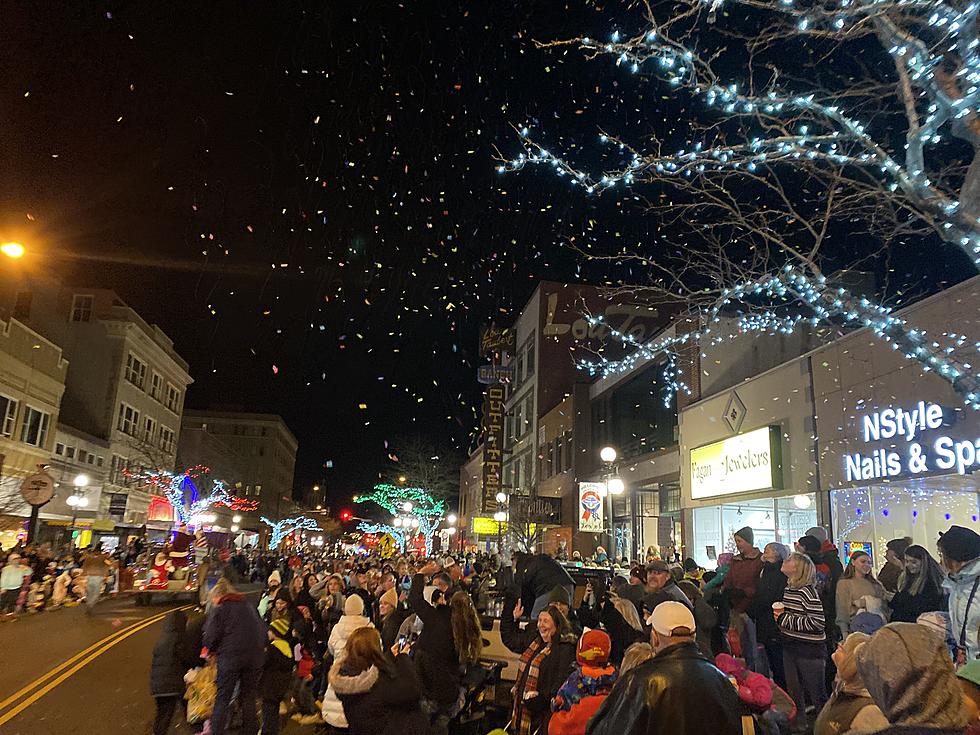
{"x":352,"y":619}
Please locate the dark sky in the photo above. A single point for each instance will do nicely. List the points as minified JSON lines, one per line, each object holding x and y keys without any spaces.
{"x":319,"y":178}
{"x":350,"y":145}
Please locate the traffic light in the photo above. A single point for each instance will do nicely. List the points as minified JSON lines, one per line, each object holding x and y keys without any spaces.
{"x":345,"y":515}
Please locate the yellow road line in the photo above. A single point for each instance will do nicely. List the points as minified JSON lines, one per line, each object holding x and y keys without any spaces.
{"x":103,"y":645}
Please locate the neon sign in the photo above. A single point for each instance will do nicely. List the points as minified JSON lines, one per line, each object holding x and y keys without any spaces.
{"x":917,"y":456}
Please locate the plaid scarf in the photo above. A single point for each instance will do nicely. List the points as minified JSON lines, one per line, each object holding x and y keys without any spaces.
{"x":528,"y":669}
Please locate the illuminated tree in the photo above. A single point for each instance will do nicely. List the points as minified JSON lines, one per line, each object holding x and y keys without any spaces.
{"x":183,"y":493}
{"x":409,"y":503}
{"x":856,"y":116}
{"x":282,"y":528}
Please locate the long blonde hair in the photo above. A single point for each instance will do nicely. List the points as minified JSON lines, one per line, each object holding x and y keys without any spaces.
{"x":628,"y":610}
{"x":806,"y":572}
{"x":467,"y":633}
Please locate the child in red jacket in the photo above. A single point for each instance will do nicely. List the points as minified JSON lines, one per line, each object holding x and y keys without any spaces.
{"x":585,"y":689}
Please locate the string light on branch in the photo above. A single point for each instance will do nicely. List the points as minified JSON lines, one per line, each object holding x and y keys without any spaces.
{"x":396,"y":533}
{"x":282,"y":528}
{"x":417,"y":502}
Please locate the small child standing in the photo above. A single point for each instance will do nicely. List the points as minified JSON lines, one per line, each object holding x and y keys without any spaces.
{"x":277,"y":677}
{"x":303,"y":682}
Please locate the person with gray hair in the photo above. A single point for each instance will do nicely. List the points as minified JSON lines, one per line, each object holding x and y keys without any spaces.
{"x":772,"y":582}
{"x":909,"y":675}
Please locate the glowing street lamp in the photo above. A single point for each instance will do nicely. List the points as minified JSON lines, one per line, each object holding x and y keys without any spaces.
{"x":608,"y":455}
{"x":12,"y":250}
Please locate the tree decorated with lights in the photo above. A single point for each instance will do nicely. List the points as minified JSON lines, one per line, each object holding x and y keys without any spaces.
{"x":381,"y":528}
{"x":282,"y":528}
{"x":408,"y":506}
{"x":183,"y":493}
{"x":876,"y":136}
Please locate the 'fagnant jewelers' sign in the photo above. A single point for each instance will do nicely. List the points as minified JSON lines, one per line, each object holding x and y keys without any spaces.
{"x":923,"y":450}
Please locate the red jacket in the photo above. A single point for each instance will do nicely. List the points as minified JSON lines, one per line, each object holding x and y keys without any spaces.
{"x":743,"y":576}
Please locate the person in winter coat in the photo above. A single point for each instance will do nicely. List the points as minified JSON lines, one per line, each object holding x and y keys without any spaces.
{"x":857,"y":584}
{"x":236,"y":634}
{"x":677,"y":692}
{"x":379,"y":696}
{"x":277,"y":675}
{"x":959,"y":551}
{"x":704,"y":615}
{"x":586,"y":688}
{"x":740,"y":584}
{"x":537,"y":575}
{"x":171,"y":660}
{"x":802,"y":625}
{"x":392,"y":616}
{"x":353,"y":619}
{"x":547,"y":655}
{"x":661,"y":587}
{"x":620,"y":620}
{"x":435,"y":651}
{"x":850,"y":707}
{"x":920,"y":586}
{"x":769,"y":589}
{"x":908,"y":673}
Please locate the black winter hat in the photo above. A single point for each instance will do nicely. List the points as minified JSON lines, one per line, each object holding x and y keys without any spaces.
{"x":959,"y":544}
{"x":810,"y":544}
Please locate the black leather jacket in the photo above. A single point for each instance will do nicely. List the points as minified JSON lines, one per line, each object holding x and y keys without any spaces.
{"x":678,"y":692}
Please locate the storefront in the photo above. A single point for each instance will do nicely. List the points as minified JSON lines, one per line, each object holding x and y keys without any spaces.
{"x":748,"y":460}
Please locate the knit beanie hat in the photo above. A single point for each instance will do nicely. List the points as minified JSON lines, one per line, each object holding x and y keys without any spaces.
{"x":746,"y":534}
{"x":354,"y":605}
{"x":959,"y":544}
{"x":809,"y":544}
{"x":819,"y":533}
{"x":280,"y":627}
{"x":390,"y":597}
{"x":593,"y":648}
{"x":847,"y":668}
{"x":558,"y":595}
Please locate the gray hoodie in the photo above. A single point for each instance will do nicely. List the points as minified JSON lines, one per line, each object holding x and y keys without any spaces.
{"x":908,"y":673}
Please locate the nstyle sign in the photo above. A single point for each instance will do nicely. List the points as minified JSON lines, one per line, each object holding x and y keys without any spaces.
{"x":918,"y":456}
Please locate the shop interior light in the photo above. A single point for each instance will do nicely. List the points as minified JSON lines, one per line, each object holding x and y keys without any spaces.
{"x":802,"y":501}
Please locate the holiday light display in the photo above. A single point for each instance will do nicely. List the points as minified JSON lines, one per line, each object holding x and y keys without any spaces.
{"x":282,"y":528}
{"x":396,"y":533}
{"x":939,"y":59}
{"x":179,"y":487}
{"x":416,"y":502}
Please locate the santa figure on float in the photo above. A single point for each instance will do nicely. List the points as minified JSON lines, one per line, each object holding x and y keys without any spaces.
{"x":159,"y":573}
{"x":180,"y":547}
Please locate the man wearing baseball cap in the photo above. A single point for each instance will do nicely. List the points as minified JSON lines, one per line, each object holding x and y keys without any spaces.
{"x":661,"y":587}
{"x":678,"y":691}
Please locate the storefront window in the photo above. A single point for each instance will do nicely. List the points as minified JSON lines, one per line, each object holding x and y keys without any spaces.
{"x":782,"y":519}
{"x":919,"y":509}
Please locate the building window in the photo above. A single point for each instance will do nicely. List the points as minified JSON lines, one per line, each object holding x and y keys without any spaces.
{"x":173,"y":398}
{"x":34,"y":430}
{"x":59,"y":448}
{"x":22,"y":305}
{"x":156,"y":386}
{"x":8,"y":415}
{"x":166,"y":439}
{"x":91,"y":458}
{"x":135,"y":371}
{"x":129,"y":419}
{"x":81,"y":307}
{"x":149,"y":429}
{"x":529,"y":360}
{"x":116,"y":475}
{"x":70,"y":452}
{"x":82,"y":455}
{"x":258,"y":490}
{"x":100,"y":462}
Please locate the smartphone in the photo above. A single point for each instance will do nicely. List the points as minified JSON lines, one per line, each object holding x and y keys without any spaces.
{"x":402,"y":640}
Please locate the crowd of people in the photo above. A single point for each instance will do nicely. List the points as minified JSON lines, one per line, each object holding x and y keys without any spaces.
{"x":775,"y":640}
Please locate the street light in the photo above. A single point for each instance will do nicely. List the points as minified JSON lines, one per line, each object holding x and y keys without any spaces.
{"x":12,"y":250}
{"x":500,"y":516}
{"x":608,"y":455}
{"x":77,"y":499}
{"x":501,"y":497}
{"x":451,"y":519}
{"x":236,"y":519}
{"x":616,"y":485}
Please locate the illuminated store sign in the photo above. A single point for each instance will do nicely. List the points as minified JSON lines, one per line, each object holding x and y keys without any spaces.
{"x":739,"y":464}
{"x":918,"y":455}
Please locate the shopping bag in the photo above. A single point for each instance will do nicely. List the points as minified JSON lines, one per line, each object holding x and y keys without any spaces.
{"x":201,"y":691}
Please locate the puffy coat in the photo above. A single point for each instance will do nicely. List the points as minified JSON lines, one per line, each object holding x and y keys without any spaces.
{"x":332,"y":709}
{"x":579,"y":698}
{"x":959,"y":586}
{"x":236,"y":634}
{"x":277,"y":671}
{"x":677,"y":691}
{"x":435,"y":652}
{"x":170,"y":660}
{"x":772,"y":582}
{"x":381,"y":701}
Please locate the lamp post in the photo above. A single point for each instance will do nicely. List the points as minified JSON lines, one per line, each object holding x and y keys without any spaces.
{"x":614,"y":486}
{"x":500,"y":517}
{"x":77,"y":499}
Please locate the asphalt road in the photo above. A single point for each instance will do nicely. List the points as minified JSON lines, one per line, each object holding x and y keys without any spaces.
{"x":64,"y":672}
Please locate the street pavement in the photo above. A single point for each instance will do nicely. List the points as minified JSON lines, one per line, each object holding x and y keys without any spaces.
{"x":65,"y":672}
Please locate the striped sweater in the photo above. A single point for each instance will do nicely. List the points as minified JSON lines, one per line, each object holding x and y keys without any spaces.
{"x":803,"y":620}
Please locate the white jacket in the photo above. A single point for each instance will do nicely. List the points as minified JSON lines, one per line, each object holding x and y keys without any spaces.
{"x":333,"y":709}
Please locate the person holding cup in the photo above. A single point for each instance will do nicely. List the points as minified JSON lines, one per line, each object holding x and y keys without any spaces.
{"x":802,"y":626}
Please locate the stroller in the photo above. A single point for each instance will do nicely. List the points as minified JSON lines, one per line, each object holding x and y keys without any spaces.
{"x":480,"y":687}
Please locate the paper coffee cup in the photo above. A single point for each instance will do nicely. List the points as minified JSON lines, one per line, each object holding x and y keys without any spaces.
{"x":778,"y":607}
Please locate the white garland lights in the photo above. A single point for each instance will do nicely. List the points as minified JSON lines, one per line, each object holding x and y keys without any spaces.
{"x":826,"y":302}
{"x":282,"y":528}
{"x":836,"y":138}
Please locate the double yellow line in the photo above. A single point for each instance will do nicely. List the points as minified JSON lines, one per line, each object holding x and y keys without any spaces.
{"x":41,"y":686}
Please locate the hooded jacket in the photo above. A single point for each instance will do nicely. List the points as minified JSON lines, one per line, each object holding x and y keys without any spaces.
{"x":435,"y":652}
{"x":959,"y":586}
{"x":381,"y":701}
{"x":236,"y":634}
{"x":170,"y":657}
{"x":579,"y":698}
{"x":908,"y":673}
{"x":277,"y":671}
{"x":677,"y":691}
{"x":332,"y":710}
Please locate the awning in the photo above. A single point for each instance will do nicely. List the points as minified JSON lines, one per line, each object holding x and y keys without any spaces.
{"x":103,"y":524}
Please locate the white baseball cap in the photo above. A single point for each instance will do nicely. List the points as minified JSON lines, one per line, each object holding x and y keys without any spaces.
{"x":669,"y":616}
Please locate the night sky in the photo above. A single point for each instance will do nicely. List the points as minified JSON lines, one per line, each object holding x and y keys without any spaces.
{"x":319,"y":178}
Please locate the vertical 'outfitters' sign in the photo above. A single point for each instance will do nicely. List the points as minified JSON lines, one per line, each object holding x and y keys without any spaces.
{"x":493,"y":444}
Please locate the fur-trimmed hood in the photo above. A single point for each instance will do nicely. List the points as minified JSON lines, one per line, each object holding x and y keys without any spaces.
{"x":345,"y":684}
